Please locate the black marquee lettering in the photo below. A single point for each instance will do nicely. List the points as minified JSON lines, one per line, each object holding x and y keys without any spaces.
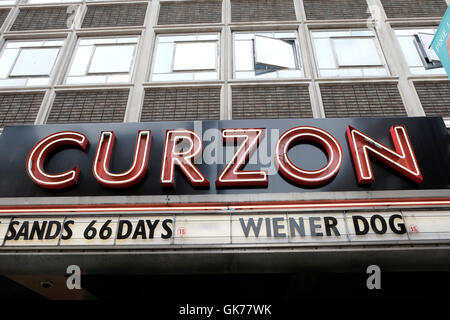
{"x":68,"y":230}
{"x":129,"y":227}
{"x":299,"y":227}
{"x":400,"y":228}
{"x":167,"y":228}
{"x":140,"y":230}
{"x":11,"y":234}
{"x":358,"y":231}
{"x":373,"y":224}
{"x":23,"y":231}
{"x":49,"y":235}
{"x":152,"y":227}
{"x":313,"y":227}
{"x":330,"y":224}
{"x":37,"y":229}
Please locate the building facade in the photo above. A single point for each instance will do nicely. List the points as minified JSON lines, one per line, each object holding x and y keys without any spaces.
{"x":67,"y":63}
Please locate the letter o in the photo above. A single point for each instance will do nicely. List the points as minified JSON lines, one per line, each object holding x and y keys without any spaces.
{"x":308,"y":177}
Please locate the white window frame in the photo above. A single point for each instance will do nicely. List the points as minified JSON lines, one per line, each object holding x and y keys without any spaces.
{"x":274,"y":74}
{"x":349,"y":36}
{"x":29,"y":78}
{"x":409,"y":32}
{"x":107,"y":74}
{"x":191,"y":74}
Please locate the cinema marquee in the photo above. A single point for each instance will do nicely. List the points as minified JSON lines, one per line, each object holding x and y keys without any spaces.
{"x":253,"y":181}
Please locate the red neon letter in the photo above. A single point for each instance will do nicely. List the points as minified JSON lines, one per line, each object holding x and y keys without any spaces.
{"x":304,"y":177}
{"x":233,"y":175}
{"x":138,"y":169}
{"x":402,"y":159}
{"x":182,"y":159}
{"x":37,"y":156}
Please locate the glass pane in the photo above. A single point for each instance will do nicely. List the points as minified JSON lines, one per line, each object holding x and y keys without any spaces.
{"x":163,"y":59}
{"x":374,"y":72}
{"x":205,"y":76}
{"x":53,"y":43}
{"x":356,"y":52}
{"x":350,"y":72}
{"x":118,"y":78}
{"x":243,"y":55}
{"x":13,"y":82}
{"x":195,"y":56}
{"x":35,"y":62}
{"x":289,"y":74}
{"x":243,"y":36}
{"x":426,"y":40}
{"x":410,"y":52}
{"x":410,"y":32}
{"x":176,"y":38}
{"x":325,"y":34}
{"x":173,"y":77}
{"x":274,"y":52}
{"x":244,"y":75}
{"x":89,"y":42}
{"x":361,"y":33}
{"x":127,"y":40}
{"x":285,"y":35}
{"x":6,"y":61}
{"x":38,"y":81}
{"x":329,"y":73}
{"x":19,"y":44}
{"x":81,"y":61}
{"x":422,"y":70}
{"x":51,"y":1}
{"x":324,"y":53}
{"x":86,"y":79}
{"x":207,"y":37}
{"x":112,"y":59}
{"x":270,"y":75}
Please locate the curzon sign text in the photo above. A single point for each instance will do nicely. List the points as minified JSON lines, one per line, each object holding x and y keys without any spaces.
{"x":211,"y":157}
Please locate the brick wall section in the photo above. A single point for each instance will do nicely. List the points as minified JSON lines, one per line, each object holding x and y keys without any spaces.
{"x":3,"y":14}
{"x":414,"y":8}
{"x":166,"y":104}
{"x":187,"y":12}
{"x":362,"y":100}
{"x":89,"y":106}
{"x":19,"y":108}
{"x":271,"y":102}
{"x":115,"y":15}
{"x":41,"y":19}
{"x":336,"y":9}
{"x":435,"y":97}
{"x":262,"y":10}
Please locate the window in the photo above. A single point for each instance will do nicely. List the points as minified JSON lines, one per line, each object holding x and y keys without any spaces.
{"x":7,"y":2}
{"x":266,"y":55}
{"x":51,"y":1}
{"x":352,"y":53}
{"x":106,"y":60}
{"x":420,"y":58}
{"x":186,"y":57}
{"x":28,"y":63}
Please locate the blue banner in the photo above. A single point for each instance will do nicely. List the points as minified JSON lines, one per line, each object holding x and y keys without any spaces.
{"x":441,"y":42}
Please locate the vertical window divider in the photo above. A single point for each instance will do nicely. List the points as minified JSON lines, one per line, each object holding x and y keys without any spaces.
{"x":308,"y":64}
{"x":142,"y":63}
{"x":396,"y":63}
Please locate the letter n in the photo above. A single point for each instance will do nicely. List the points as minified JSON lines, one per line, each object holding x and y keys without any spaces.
{"x":401,"y":160}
